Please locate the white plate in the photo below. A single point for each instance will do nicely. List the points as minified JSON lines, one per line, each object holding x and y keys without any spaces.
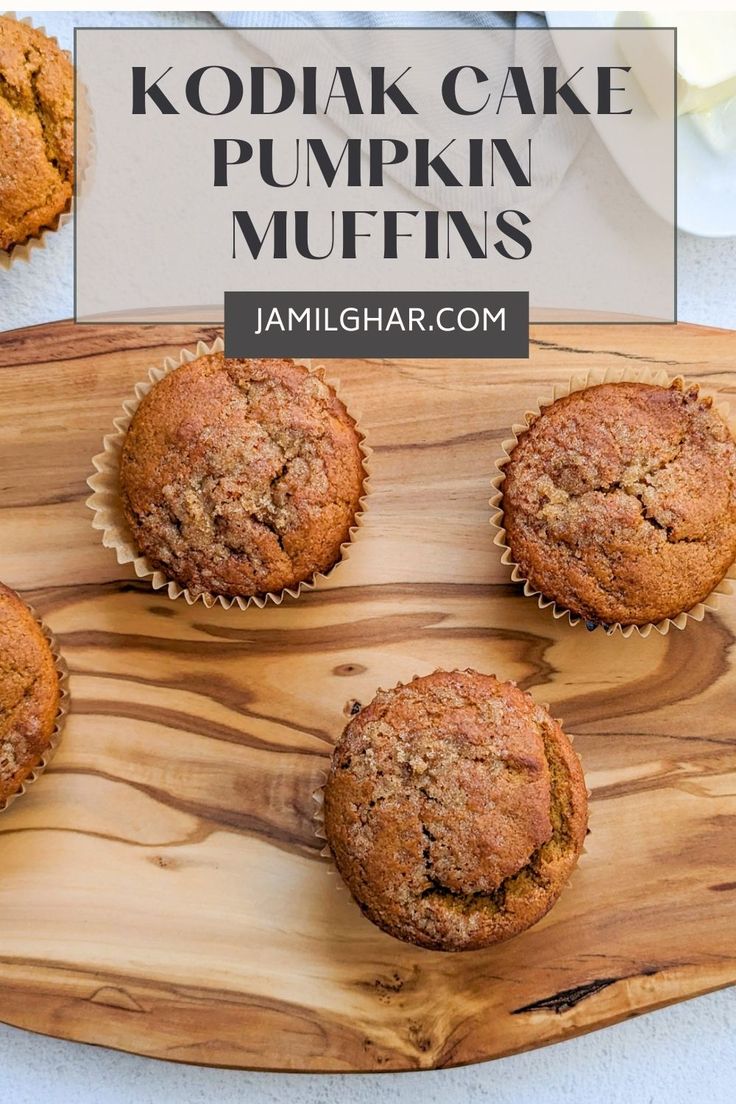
{"x":706,"y":181}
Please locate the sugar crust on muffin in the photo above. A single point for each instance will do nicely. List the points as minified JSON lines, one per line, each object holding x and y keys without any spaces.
{"x":36,"y":132}
{"x":29,"y":693}
{"x":455,"y":809}
{"x":619,"y":501}
{"x":241,"y":477}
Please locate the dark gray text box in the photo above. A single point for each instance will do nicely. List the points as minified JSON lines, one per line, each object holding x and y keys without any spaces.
{"x":399,"y":324}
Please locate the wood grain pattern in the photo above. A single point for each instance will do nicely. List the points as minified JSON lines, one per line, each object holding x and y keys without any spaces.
{"x":161,"y":888}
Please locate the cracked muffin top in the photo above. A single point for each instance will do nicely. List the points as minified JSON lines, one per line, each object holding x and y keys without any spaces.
{"x":620,"y":502}
{"x":36,"y":132}
{"x":455,"y":809}
{"x":29,"y":693}
{"x":241,"y":477}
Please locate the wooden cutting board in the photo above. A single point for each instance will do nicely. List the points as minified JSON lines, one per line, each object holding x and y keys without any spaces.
{"x":161,"y":887}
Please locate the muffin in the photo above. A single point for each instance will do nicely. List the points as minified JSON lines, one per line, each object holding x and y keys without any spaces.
{"x":619,"y":502}
{"x":241,"y":477}
{"x":29,"y":694}
{"x":455,"y":809}
{"x":36,"y":132}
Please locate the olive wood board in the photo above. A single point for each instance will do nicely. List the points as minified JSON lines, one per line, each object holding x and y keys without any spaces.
{"x":161,"y":886}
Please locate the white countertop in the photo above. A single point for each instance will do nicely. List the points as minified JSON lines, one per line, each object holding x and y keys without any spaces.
{"x":680,"y":1055}
{"x":677,"y":1055}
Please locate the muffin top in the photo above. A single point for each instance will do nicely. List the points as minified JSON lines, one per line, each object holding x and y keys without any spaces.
{"x":29,"y":693}
{"x":241,"y":477}
{"x":455,"y":809}
{"x":620,"y":501}
{"x":36,"y":132}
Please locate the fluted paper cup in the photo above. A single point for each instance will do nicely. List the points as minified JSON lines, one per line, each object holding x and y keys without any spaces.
{"x":593,"y":378}
{"x":106,"y":503}
{"x":23,"y":251}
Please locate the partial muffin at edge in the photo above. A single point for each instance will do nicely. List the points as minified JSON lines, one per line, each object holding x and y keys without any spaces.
{"x":241,"y":477}
{"x":455,"y":809}
{"x":29,"y":693}
{"x":36,"y":132}
{"x":619,"y":502}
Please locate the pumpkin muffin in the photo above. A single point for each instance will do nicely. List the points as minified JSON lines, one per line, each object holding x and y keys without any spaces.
{"x":29,"y":694}
{"x":619,"y":502}
{"x":241,"y":477}
{"x":455,"y":809}
{"x":36,"y":132}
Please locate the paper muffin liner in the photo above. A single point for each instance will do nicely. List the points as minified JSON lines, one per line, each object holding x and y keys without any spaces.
{"x":106,"y":502}
{"x":318,"y":814}
{"x":318,"y":825}
{"x":318,"y":818}
{"x":24,"y":250}
{"x":592,"y":378}
{"x":62,"y":672}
